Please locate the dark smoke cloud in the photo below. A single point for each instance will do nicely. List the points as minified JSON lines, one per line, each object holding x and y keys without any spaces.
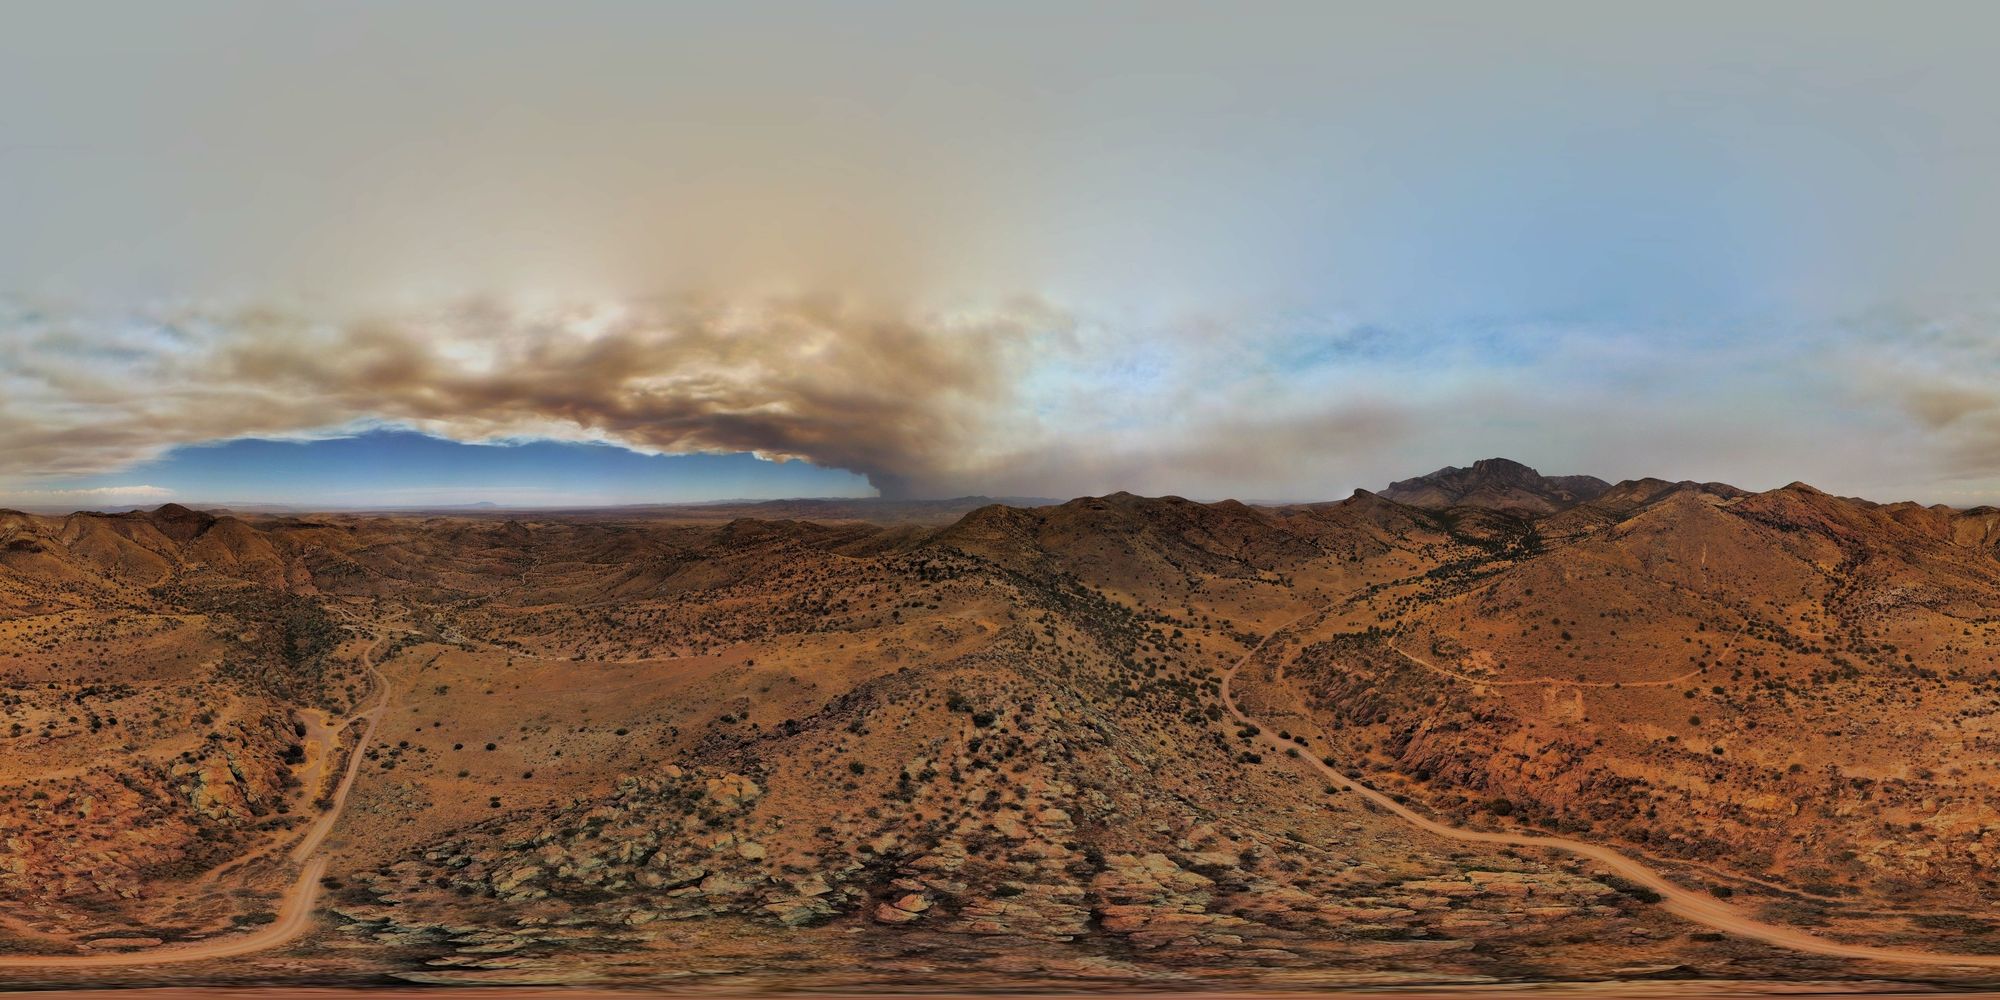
{"x":901,"y":398}
{"x":1940,"y":375}
{"x":1020,"y":398}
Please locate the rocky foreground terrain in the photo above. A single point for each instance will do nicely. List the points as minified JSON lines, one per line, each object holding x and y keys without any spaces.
{"x":1114,"y":741}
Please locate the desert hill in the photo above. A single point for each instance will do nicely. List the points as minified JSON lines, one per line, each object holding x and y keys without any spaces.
{"x":628,"y":746}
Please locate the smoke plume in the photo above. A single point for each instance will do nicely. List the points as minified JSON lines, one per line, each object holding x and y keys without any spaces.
{"x":905,"y":399}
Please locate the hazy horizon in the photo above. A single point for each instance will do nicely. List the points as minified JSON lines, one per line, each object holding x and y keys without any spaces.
{"x":532,"y":498}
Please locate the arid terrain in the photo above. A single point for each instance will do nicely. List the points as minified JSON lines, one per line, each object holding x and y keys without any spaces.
{"x":1481,"y":727}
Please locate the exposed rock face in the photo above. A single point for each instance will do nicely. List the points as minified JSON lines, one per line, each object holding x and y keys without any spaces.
{"x":108,"y":831}
{"x":673,"y":846}
{"x":1496,"y":484}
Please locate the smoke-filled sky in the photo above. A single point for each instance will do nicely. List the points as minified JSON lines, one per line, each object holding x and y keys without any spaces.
{"x":453,"y":252}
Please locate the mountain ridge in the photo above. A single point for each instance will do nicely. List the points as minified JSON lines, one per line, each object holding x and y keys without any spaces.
{"x":999,"y":741}
{"x":1498,"y":484}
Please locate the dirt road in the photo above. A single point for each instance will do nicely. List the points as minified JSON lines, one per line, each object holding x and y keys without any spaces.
{"x":316,"y":835}
{"x":1698,"y":907}
{"x":294,"y":917}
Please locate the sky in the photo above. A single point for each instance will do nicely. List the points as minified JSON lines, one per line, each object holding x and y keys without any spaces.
{"x":379,"y":254}
{"x":404,"y":469}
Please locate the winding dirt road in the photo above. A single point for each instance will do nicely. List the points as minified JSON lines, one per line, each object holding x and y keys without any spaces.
{"x":295,"y":910}
{"x":1696,"y":906}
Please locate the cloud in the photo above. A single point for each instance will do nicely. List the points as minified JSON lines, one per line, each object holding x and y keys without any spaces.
{"x":1938,"y":374}
{"x":903,"y":398}
{"x":1018,"y":397}
{"x":1515,"y":216}
{"x":1007,"y":399}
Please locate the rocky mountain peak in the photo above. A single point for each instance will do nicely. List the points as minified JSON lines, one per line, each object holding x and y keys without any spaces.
{"x":1496,"y":484}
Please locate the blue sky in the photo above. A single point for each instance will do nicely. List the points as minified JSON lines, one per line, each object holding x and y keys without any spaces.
{"x":1022,"y":249}
{"x":401,"y":468}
